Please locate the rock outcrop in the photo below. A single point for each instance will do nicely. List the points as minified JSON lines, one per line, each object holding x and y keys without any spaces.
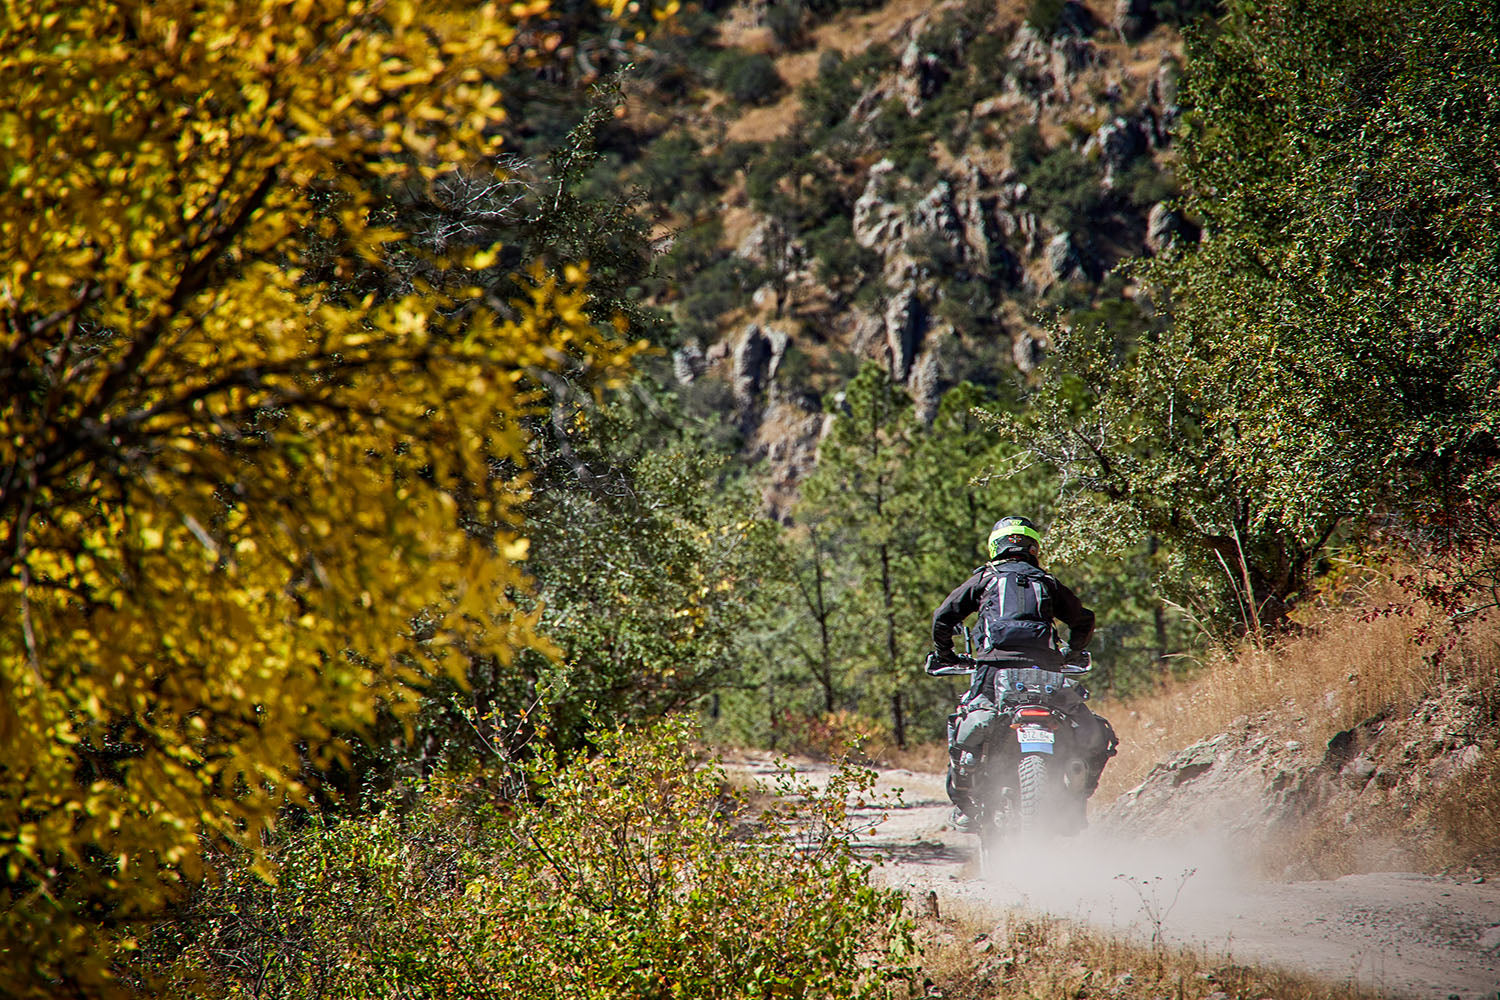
{"x":905,"y":326}
{"x":757,"y":355}
{"x":1253,"y":785}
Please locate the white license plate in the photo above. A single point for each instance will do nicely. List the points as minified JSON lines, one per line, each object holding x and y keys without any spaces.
{"x":1036,"y":734}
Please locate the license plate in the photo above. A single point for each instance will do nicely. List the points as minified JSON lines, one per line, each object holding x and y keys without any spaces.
{"x":1035,"y":734}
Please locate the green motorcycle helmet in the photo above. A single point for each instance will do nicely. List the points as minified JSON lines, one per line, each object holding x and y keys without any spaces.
{"x":1015,"y":534}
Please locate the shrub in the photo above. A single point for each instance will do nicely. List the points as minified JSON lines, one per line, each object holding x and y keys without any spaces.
{"x":748,"y":77}
{"x":786,"y":21}
{"x":841,"y":262}
{"x":1186,"y":11}
{"x":719,"y":288}
{"x":1027,"y":148}
{"x":674,"y":171}
{"x":836,"y":735}
{"x":623,"y":876}
{"x":1065,"y":187}
{"x":1145,"y":183}
{"x":1045,"y":15}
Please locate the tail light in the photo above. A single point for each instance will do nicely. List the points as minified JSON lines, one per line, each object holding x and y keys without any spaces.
{"x":1034,"y":713}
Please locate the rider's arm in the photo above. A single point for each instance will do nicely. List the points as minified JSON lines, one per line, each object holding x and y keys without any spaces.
{"x":962,"y":603}
{"x":1070,"y":610}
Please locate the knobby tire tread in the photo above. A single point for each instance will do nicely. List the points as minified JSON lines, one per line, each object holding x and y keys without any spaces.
{"x":1031,"y":804}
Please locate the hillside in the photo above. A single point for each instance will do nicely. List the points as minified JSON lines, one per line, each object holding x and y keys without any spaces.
{"x":926,"y":186}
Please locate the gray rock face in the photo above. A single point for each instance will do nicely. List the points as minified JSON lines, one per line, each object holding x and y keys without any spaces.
{"x":877,"y":221}
{"x":922,"y":75}
{"x":1120,"y":142}
{"x":688,"y":363}
{"x":1064,"y":258}
{"x":1358,"y":771}
{"x":1044,"y":68}
{"x":1253,"y":784}
{"x":757,"y":355}
{"x":1165,"y":227}
{"x":905,"y":327}
{"x":1027,"y":352}
{"x":935,"y":212}
{"x":926,"y":388}
{"x":1238,"y":782}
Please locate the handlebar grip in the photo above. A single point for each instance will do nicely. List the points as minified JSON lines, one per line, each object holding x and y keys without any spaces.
{"x":947,"y":668}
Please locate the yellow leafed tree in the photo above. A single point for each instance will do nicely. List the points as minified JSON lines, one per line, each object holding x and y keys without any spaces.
{"x":239,"y":512}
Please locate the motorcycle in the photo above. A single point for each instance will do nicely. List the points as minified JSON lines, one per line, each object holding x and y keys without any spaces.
{"x":1027,"y":777}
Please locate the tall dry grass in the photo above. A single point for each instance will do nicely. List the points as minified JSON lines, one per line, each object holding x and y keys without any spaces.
{"x":1348,"y":664}
{"x":967,"y":956}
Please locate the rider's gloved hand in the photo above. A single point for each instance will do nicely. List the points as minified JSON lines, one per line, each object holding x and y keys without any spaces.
{"x":937,"y":659}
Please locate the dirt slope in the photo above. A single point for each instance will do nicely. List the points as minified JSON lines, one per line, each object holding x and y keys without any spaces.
{"x":1403,"y":934}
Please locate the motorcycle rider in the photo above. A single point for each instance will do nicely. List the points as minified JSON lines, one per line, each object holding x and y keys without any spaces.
{"x":1016,"y":602}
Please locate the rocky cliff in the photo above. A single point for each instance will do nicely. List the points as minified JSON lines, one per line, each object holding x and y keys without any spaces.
{"x":948,"y":183}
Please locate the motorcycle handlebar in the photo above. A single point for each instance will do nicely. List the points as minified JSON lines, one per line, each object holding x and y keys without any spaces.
{"x":965,"y":665}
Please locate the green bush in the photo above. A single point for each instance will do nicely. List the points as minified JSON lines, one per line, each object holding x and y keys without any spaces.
{"x":1065,"y":188}
{"x":720,"y":287}
{"x":1027,"y":148}
{"x":1145,"y":183}
{"x":628,"y":875}
{"x":1186,"y":11}
{"x":675,"y":173}
{"x":1045,"y":15}
{"x":748,"y":77}
{"x":786,"y":22}
{"x":841,"y":262}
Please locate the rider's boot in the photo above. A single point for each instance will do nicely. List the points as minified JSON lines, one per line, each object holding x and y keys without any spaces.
{"x":960,"y":781}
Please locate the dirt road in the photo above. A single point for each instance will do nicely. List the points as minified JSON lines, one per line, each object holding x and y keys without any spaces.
{"x":1402,"y":934}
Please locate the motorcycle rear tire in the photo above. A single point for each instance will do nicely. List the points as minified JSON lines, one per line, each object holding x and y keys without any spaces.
{"x":1031,"y":798}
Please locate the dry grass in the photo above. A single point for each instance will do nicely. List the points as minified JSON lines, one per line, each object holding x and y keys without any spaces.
{"x":930,"y":758}
{"x":1346,"y":667}
{"x":968,"y":957}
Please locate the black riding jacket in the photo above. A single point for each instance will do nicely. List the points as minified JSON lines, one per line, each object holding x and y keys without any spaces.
{"x":980,"y":595}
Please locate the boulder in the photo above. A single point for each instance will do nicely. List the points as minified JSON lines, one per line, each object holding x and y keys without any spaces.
{"x":926,"y":387}
{"x":919,"y":78}
{"x":1027,"y":352}
{"x":941,"y":214}
{"x":1043,"y":69}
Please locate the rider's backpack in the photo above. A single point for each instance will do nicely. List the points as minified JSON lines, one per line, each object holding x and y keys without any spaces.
{"x":1015,"y":612}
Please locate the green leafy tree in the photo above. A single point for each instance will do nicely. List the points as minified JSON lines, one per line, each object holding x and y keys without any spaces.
{"x":861,"y":485}
{"x":243,"y":509}
{"x":1332,"y":353}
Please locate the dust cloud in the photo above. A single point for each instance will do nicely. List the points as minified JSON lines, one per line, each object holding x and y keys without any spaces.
{"x":1152,"y":889}
{"x":1395,"y":933}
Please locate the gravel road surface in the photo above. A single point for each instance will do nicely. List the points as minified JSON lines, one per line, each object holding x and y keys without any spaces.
{"x":1403,"y":934}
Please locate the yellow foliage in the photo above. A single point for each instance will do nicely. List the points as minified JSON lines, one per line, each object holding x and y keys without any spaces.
{"x":238,"y":513}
